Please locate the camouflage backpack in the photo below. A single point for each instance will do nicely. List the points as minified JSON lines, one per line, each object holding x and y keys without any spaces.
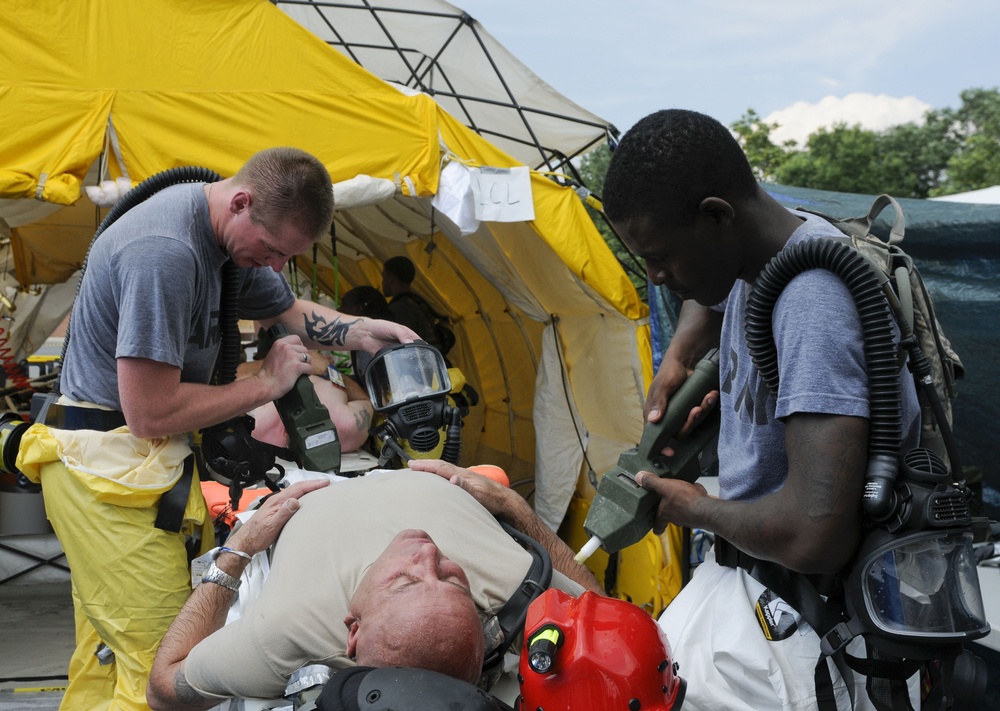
{"x":912,"y":305}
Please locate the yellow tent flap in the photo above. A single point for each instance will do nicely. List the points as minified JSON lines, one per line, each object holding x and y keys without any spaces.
{"x":185,"y":82}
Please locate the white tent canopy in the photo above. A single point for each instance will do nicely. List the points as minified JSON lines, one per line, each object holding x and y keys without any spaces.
{"x":983,"y":196}
{"x":436,"y":48}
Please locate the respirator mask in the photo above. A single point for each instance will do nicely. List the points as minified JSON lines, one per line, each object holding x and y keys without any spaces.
{"x":913,"y":593}
{"x":915,"y":573}
{"x":12,"y":428}
{"x":231,"y":456}
{"x":408,"y":385}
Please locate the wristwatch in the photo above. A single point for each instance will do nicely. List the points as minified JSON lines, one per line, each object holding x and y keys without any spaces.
{"x":218,"y":576}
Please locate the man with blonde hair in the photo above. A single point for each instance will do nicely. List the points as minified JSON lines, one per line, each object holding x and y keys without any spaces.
{"x":145,"y":336}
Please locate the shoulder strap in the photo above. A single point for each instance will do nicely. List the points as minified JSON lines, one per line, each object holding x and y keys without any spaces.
{"x":512,"y":615}
{"x":862,"y":226}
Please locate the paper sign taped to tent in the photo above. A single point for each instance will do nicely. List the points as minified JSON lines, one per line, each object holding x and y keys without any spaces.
{"x":502,"y":194}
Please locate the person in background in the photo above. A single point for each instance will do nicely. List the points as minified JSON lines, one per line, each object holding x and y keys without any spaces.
{"x":410,"y":308}
{"x":369,"y":302}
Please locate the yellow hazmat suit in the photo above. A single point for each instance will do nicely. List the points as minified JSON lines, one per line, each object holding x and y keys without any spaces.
{"x":101,"y":491}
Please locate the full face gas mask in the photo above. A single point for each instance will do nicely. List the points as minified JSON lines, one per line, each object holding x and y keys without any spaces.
{"x":408,"y":384}
{"x":916,"y":572}
{"x":12,"y":428}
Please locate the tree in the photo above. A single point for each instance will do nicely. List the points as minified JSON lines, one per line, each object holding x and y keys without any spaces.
{"x":592,"y":169}
{"x":952,"y":150}
{"x":976,"y":129}
{"x":594,"y":166}
{"x":754,"y":135}
{"x":906,"y":161}
{"x":912,"y":158}
{"x":842,"y":158}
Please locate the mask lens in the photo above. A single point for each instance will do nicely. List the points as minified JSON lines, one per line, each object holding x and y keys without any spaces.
{"x":925,"y":585}
{"x":400,"y":374}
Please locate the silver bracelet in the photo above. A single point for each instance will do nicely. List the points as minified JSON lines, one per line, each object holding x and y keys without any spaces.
{"x":241,"y":554}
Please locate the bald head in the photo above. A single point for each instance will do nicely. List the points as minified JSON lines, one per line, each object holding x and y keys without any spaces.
{"x":413,"y":608}
{"x":448,"y":640}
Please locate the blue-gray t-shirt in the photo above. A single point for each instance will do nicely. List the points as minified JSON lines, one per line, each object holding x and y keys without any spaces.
{"x":821,"y":364}
{"x":152,"y":289}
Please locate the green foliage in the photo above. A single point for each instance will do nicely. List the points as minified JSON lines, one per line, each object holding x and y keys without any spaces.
{"x":592,"y":169}
{"x":953,"y":150}
{"x":912,"y":158}
{"x":843,"y":158}
{"x":755,"y":137}
{"x":594,"y":166}
{"x":976,"y":127}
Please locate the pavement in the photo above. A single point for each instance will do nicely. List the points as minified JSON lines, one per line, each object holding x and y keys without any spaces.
{"x":36,"y":644}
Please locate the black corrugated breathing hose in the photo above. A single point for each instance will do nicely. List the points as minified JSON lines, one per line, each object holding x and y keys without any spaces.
{"x":138,"y":194}
{"x":885,"y":429}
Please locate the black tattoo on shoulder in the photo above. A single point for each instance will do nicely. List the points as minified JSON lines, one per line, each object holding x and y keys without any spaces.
{"x":329,"y":334}
{"x":363,"y":419}
{"x":183,"y":691}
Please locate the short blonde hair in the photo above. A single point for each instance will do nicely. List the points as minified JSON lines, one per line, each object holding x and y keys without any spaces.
{"x":288,"y":185}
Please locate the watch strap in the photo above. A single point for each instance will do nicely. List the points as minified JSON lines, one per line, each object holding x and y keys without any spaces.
{"x":216,"y":575}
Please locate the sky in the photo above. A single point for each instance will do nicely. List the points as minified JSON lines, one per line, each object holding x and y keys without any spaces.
{"x":800,"y":63}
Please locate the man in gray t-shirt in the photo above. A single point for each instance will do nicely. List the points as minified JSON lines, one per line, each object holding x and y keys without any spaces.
{"x":145,"y":334}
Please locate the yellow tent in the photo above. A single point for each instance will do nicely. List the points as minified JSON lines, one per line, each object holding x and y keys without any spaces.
{"x":550,"y":330}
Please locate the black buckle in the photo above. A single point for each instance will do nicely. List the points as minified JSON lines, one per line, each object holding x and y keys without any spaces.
{"x":836,"y":639}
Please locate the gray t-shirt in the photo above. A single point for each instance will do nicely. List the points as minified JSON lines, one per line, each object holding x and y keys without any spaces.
{"x":151,"y":290}
{"x":322,"y":555}
{"x":821,"y":365}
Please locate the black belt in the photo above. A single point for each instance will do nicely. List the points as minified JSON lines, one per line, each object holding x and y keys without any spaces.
{"x":172,"y":503}
{"x":71,"y":417}
{"x":730,"y":556}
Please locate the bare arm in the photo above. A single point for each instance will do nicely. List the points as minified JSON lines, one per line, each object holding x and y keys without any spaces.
{"x":157,"y":404}
{"x":502,"y":501}
{"x":812,"y":524}
{"x":323,"y":328}
{"x":205,"y":611}
{"x":355,"y":390}
{"x":353,"y":418}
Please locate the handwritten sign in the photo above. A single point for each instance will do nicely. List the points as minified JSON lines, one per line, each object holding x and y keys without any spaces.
{"x":502,"y":194}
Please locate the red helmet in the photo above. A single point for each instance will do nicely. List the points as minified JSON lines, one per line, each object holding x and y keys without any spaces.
{"x":595,"y":652}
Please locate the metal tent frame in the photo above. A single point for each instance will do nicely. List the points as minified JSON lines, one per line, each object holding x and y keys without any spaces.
{"x":436,"y":48}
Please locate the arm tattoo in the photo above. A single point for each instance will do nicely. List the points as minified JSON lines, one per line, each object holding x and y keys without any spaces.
{"x":329,"y":334}
{"x":183,"y":691}
{"x":363,"y":419}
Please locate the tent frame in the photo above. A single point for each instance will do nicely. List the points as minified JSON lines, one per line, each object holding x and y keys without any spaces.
{"x":427,"y":75}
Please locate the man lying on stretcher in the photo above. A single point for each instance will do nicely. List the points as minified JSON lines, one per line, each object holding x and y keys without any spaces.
{"x":396,"y":568}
